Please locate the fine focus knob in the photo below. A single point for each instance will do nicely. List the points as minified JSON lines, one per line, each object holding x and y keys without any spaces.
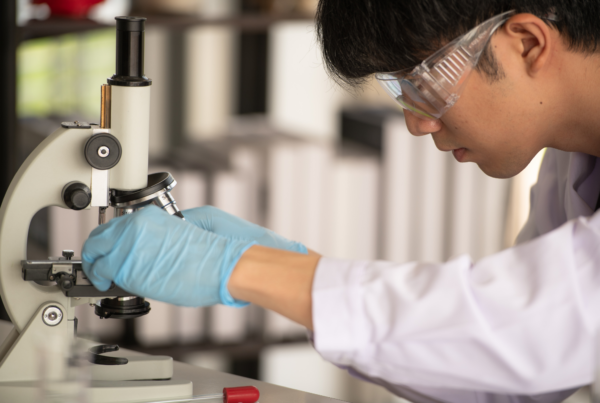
{"x":102,"y":151}
{"x":77,"y":195}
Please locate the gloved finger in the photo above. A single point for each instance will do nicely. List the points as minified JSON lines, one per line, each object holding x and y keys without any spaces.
{"x":99,"y":271}
{"x":91,"y":272}
{"x":272,"y":240}
{"x":100,"y":283}
{"x":107,"y":267}
{"x":202,"y":217}
{"x":222,"y":223}
{"x":99,"y":264}
{"x":102,"y":239}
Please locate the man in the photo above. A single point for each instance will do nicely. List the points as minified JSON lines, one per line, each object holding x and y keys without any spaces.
{"x":492,"y":81}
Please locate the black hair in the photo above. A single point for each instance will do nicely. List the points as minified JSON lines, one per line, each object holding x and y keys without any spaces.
{"x":361,"y":37}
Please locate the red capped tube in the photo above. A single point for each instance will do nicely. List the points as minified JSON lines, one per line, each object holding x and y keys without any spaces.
{"x":242,"y":394}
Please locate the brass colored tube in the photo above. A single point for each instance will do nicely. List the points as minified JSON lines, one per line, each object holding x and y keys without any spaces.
{"x":105,"y":107}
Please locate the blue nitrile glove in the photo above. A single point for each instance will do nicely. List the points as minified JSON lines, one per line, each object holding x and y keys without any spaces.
{"x":153,"y":254}
{"x":221,"y":223}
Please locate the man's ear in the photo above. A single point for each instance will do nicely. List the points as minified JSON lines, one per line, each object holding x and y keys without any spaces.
{"x":532,"y":38}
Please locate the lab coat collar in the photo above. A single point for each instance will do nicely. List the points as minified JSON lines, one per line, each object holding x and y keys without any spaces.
{"x":583,"y":185}
{"x":568,"y":186}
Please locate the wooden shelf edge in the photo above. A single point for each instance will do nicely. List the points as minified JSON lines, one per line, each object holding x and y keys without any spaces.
{"x":61,"y":26}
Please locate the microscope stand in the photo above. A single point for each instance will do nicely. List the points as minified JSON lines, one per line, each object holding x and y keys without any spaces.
{"x":35,"y":187}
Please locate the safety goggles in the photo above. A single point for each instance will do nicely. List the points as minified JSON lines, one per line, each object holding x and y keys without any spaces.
{"x":434,"y":86}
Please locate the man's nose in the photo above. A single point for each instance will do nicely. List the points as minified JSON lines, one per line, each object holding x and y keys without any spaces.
{"x":420,"y":127}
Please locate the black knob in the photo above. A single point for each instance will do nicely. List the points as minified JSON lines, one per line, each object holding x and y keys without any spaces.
{"x":102,"y":151}
{"x":77,"y":195}
{"x":68,"y":254}
{"x":65,"y":282}
{"x":80,"y":199}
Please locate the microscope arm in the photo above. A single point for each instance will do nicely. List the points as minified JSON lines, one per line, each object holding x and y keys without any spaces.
{"x":58,"y":160}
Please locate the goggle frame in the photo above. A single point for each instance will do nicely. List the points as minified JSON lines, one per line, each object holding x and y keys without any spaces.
{"x":437,"y":83}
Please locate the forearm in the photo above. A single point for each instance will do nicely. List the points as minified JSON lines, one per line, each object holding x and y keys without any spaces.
{"x":277,"y":280}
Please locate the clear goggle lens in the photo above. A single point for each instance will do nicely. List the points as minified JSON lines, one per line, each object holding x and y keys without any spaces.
{"x":411,"y":96}
{"x":434,"y":86}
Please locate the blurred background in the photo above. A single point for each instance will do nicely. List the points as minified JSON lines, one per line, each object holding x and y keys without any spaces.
{"x":246,"y":119}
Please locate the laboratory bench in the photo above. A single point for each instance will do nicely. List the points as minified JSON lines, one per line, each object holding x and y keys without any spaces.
{"x":207,"y":381}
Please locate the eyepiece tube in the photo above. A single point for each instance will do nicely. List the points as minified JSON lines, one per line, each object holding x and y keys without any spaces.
{"x":130,"y":106}
{"x":130,"y":53}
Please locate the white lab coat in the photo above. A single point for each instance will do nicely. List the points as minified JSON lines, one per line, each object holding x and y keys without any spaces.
{"x":517,"y":326}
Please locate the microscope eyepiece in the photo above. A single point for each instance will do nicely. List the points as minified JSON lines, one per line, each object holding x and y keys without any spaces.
{"x":130,"y":53}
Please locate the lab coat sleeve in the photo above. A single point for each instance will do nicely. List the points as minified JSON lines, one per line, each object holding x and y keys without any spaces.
{"x":520,"y":322}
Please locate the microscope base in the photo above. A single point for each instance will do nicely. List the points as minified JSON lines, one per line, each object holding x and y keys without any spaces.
{"x":101,"y":391}
{"x":138,"y":368}
{"x":22,"y":352}
{"x":41,"y":348}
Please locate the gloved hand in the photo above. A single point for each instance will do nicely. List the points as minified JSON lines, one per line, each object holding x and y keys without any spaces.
{"x":152,"y":254}
{"x":221,"y":223}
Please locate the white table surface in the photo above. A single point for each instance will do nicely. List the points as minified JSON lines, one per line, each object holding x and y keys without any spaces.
{"x":208,"y":381}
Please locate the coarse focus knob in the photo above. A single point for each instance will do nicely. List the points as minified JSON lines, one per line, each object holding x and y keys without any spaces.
{"x":77,"y":195}
{"x":79,"y":199}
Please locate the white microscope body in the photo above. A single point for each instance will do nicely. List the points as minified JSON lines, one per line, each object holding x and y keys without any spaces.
{"x":60,"y":172}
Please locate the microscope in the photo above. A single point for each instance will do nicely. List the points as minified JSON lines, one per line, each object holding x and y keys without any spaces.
{"x":83,"y":165}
